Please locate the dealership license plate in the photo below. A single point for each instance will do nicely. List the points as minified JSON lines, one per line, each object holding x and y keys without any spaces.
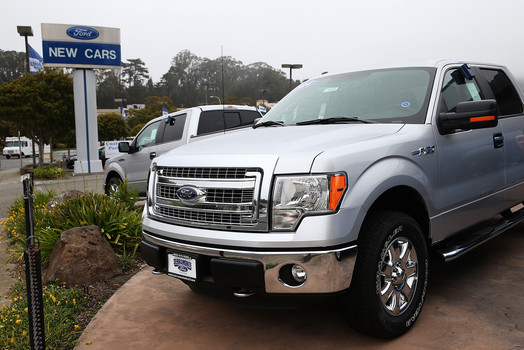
{"x":182,"y":266}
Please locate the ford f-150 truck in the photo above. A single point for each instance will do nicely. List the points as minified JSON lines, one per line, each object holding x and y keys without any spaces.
{"x":346,"y":187}
{"x":167,"y":132}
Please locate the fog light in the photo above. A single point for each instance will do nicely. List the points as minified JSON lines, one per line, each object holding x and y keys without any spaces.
{"x":299,"y":273}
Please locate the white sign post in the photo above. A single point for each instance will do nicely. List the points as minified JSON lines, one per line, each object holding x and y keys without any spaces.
{"x":83,"y":48}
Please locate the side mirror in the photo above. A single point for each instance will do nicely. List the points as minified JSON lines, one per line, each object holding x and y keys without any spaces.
{"x":469,"y":115}
{"x":123,"y":147}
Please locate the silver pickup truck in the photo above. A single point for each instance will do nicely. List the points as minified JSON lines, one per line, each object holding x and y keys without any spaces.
{"x":346,"y":187}
{"x":170,"y":131}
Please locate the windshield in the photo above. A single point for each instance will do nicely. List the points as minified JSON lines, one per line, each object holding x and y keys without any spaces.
{"x":11,"y":144}
{"x":383,"y":96}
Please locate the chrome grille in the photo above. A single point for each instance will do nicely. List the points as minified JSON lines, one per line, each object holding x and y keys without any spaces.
{"x":203,"y":217}
{"x":229,"y":196}
{"x":203,"y":173}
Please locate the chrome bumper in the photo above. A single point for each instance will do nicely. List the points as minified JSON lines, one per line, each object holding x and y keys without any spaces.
{"x":328,"y":271}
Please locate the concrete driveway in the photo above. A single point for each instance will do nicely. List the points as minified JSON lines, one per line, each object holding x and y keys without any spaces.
{"x":475,"y":302}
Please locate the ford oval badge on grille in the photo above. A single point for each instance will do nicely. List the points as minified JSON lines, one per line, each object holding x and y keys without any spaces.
{"x":82,"y":33}
{"x":189,"y":194}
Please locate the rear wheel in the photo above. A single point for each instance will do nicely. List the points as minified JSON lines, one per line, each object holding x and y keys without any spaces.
{"x":7,"y":157}
{"x":391,"y":275}
{"x":113,"y":184}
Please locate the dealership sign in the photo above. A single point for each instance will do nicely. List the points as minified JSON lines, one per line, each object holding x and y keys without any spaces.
{"x":80,"y":46}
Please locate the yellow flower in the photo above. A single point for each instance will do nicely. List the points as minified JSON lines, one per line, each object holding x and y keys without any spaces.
{"x":17,"y":316}
{"x":24,"y":333}
{"x":18,"y":321}
{"x":89,"y":342}
{"x":26,"y":310}
{"x":12,"y":340}
{"x":76,"y":327}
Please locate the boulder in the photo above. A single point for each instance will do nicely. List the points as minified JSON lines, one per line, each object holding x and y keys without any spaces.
{"x":82,"y":257}
{"x":64,"y":196}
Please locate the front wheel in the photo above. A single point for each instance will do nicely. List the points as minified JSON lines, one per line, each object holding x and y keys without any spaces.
{"x":113,"y":184}
{"x":391,"y":275}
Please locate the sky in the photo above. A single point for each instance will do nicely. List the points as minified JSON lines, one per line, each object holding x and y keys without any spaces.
{"x":325,"y":35}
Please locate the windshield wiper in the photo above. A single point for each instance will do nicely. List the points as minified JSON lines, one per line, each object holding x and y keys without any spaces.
{"x":335,"y":120}
{"x":269,"y":123}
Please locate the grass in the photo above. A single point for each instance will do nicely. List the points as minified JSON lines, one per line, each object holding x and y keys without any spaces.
{"x":49,"y":172}
{"x":67,"y":311}
{"x":61,"y":309}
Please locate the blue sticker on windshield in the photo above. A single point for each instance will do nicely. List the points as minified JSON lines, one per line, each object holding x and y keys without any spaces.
{"x":405,"y":104}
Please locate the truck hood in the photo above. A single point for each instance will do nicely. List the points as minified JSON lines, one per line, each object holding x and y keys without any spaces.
{"x":292,"y":147}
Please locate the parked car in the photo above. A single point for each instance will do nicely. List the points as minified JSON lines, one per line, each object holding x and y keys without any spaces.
{"x":168,"y":132}
{"x":70,"y":161}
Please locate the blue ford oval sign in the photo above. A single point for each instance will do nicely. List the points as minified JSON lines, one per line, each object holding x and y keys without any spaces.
{"x":82,"y":33}
{"x":189,"y":194}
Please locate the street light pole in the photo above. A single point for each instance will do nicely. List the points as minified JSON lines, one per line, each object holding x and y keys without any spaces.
{"x":291,"y":67}
{"x":218,"y":98}
{"x":25,"y":31}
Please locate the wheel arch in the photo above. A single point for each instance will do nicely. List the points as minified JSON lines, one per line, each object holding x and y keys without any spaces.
{"x":406,"y":200}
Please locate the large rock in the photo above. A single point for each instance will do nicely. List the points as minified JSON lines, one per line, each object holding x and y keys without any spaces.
{"x":82,"y":257}
{"x":64,"y":196}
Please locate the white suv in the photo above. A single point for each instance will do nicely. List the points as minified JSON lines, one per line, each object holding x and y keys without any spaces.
{"x":170,"y":131}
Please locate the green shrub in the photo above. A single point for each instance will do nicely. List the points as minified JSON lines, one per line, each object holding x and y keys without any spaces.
{"x":61,"y":309}
{"x":119,"y":224}
{"x":125,"y":194}
{"x":49,"y":172}
{"x":14,"y":225}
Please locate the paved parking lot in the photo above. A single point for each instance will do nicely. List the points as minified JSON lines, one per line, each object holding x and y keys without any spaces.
{"x":476,"y":302}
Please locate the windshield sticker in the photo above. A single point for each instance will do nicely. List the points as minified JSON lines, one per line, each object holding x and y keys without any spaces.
{"x":331,"y":89}
{"x":405,"y":104}
{"x":306,"y":84}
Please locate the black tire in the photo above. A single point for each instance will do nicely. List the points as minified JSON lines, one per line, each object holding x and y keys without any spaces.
{"x":7,"y":157}
{"x":390,"y":278}
{"x":112,"y":184}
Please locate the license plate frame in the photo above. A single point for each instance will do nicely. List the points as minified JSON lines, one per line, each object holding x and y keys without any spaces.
{"x":181,"y":265}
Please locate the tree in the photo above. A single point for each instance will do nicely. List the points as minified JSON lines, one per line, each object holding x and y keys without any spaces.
{"x":12,"y":65}
{"x":108,"y":88}
{"x":153,"y":109}
{"x":135,"y":72}
{"x":111,"y":126}
{"x":40,"y":106}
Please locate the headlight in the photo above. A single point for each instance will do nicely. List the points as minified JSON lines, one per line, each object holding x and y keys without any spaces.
{"x":296,"y":196}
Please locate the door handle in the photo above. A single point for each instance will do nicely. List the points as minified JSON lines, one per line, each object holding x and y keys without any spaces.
{"x":152,"y":155}
{"x":498,"y":140}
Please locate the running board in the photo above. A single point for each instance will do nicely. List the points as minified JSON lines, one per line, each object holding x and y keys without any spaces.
{"x":456,"y":248}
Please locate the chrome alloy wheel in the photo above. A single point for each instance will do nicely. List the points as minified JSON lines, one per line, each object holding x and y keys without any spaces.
{"x":398,"y":274}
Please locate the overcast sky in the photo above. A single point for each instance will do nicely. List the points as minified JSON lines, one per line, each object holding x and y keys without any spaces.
{"x":322,"y":35}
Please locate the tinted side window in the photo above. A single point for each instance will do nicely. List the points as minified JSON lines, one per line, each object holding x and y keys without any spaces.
{"x":232,"y":120}
{"x":457,"y":89}
{"x":210,"y":121}
{"x":505,"y":94}
{"x":248,"y":117}
{"x":174,"y":128}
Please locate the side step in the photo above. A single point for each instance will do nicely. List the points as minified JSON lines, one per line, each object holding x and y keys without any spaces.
{"x":457,"y":247}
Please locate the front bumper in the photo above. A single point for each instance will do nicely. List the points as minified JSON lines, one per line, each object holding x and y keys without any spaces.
{"x":328,"y":271}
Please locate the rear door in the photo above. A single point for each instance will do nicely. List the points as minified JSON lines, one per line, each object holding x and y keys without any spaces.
{"x":511,"y":120}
